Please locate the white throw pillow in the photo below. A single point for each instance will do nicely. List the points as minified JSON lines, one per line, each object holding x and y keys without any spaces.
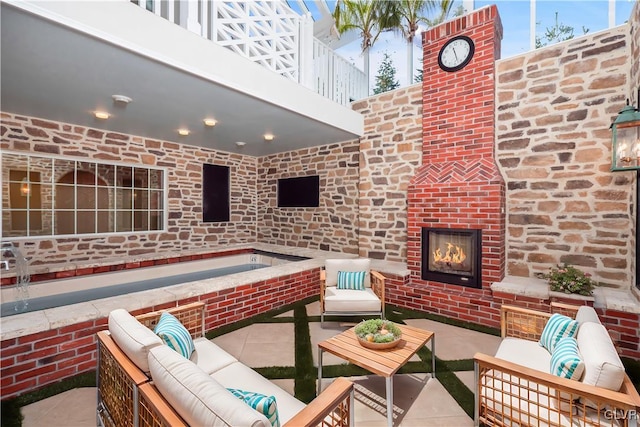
{"x":198,"y":398}
{"x":133,"y":338}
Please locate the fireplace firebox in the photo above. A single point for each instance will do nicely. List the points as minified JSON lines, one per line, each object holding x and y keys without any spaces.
{"x":451,"y":255}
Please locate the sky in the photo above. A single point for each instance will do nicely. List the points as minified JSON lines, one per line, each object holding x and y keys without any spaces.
{"x":514,"y":14}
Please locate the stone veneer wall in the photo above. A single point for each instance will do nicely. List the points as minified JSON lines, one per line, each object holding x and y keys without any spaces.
{"x":334,"y":225}
{"x":390,"y":153}
{"x":554,"y":107}
{"x":184,"y":168}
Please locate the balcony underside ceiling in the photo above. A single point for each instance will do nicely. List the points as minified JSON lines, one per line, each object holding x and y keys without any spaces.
{"x":63,"y":60}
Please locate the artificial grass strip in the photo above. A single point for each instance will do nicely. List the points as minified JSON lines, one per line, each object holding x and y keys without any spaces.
{"x":277,"y":372}
{"x":632,"y":367}
{"x":306,"y":373}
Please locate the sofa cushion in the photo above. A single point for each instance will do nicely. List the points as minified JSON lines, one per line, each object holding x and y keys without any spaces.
{"x":238,"y":375}
{"x":558,"y":326}
{"x":602,"y":365}
{"x":565,"y":359}
{"x":332,"y":266}
{"x":587,"y":314}
{"x":351,"y":301}
{"x":351,"y":280}
{"x":174,"y":334}
{"x":198,"y":398}
{"x":132,"y":337}
{"x":209,"y":357}
{"x":524,"y":352}
{"x":266,"y":405}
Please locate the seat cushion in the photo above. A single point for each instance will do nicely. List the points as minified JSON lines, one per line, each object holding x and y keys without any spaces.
{"x":197,"y":397}
{"x":524,"y":352}
{"x":237,"y":375}
{"x":209,"y":357}
{"x":332,"y":266}
{"x":351,"y":301}
{"x":132,"y":337}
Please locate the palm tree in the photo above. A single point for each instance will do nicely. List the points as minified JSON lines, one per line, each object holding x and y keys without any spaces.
{"x":410,"y":13}
{"x":370,"y":17}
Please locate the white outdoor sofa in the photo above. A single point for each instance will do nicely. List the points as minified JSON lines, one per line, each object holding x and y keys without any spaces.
{"x":515,"y":387}
{"x":142,"y":382}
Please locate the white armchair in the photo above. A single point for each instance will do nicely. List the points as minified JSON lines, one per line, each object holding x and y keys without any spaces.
{"x":350,"y":302}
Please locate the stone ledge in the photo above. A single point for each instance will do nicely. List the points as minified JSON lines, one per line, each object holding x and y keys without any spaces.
{"x":606,"y":298}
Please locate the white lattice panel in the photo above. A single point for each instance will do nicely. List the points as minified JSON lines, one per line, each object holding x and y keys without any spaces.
{"x":267,"y":32}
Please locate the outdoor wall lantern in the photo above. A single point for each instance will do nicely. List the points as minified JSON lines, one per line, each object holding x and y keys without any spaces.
{"x":626,"y":139}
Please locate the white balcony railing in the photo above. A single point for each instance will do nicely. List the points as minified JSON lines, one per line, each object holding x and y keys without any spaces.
{"x":270,"y":33}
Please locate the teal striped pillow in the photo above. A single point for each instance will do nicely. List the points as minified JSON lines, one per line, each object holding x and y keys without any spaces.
{"x":565,"y":359}
{"x":351,"y":280}
{"x":266,"y":405}
{"x":558,"y":326}
{"x":175,"y":335}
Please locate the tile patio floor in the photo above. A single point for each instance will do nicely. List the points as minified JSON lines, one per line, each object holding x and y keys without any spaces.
{"x":419,"y":400}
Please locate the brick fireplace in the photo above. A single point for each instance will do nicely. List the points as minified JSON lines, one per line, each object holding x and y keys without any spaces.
{"x":459,"y":186}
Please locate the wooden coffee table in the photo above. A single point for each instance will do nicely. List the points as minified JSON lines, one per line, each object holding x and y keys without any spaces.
{"x":380,"y":362}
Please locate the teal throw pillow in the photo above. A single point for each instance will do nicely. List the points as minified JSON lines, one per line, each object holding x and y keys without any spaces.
{"x":266,"y":405}
{"x":175,"y":335}
{"x":351,"y":280}
{"x":558,"y":326}
{"x":565,"y":359}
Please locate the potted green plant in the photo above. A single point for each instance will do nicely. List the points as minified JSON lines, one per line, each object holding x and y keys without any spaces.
{"x":570,"y":280}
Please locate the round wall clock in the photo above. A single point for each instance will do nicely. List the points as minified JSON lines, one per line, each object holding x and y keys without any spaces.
{"x":456,"y":53}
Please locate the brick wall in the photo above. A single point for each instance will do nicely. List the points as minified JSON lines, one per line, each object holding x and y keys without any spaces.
{"x":333,"y":226}
{"x":390,"y":153}
{"x":554,"y":108}
{"x":184,"y":168}
{"x":33,"y":361}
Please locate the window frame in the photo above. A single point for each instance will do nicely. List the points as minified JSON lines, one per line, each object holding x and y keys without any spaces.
{"x":112,"y":209}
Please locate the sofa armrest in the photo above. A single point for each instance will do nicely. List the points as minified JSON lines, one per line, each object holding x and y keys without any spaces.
{"x":190,"y":315}
{"x":335,"y":403}
{"x":323,"y":286}
{"x":154,"y":410}
{"x":518,"y":322}
{"x":118,"y":381}
{"x":504,"y":388}
{"x":377,"y":284}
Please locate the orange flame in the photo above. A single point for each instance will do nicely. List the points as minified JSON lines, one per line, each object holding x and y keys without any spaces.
{"x":454,"y":254}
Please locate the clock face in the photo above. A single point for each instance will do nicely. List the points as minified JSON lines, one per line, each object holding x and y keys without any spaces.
{"x":456,"y":53}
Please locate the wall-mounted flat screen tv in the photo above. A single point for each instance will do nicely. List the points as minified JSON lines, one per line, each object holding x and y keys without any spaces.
{"x":299,"y":192}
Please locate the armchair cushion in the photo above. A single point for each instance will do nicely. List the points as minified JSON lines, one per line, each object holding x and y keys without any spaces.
{"x":133,"y":338}
{"x":332,"y":266}
{"x":351,"y":280}
{"x":602,"y":365}
{"x":198,"y":398}
{"x":350,"y":300}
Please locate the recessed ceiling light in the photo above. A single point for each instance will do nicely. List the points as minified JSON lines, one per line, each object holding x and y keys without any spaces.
{"x":210,"y":122}
{"x":121,"y":98}
{"x":101,"y":115}
{"x":240,"y":143}
{"x":183,"y":132}
{"x":268,"y":137}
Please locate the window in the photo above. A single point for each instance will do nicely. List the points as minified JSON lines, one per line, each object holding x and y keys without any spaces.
{"x":52,"y":196}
